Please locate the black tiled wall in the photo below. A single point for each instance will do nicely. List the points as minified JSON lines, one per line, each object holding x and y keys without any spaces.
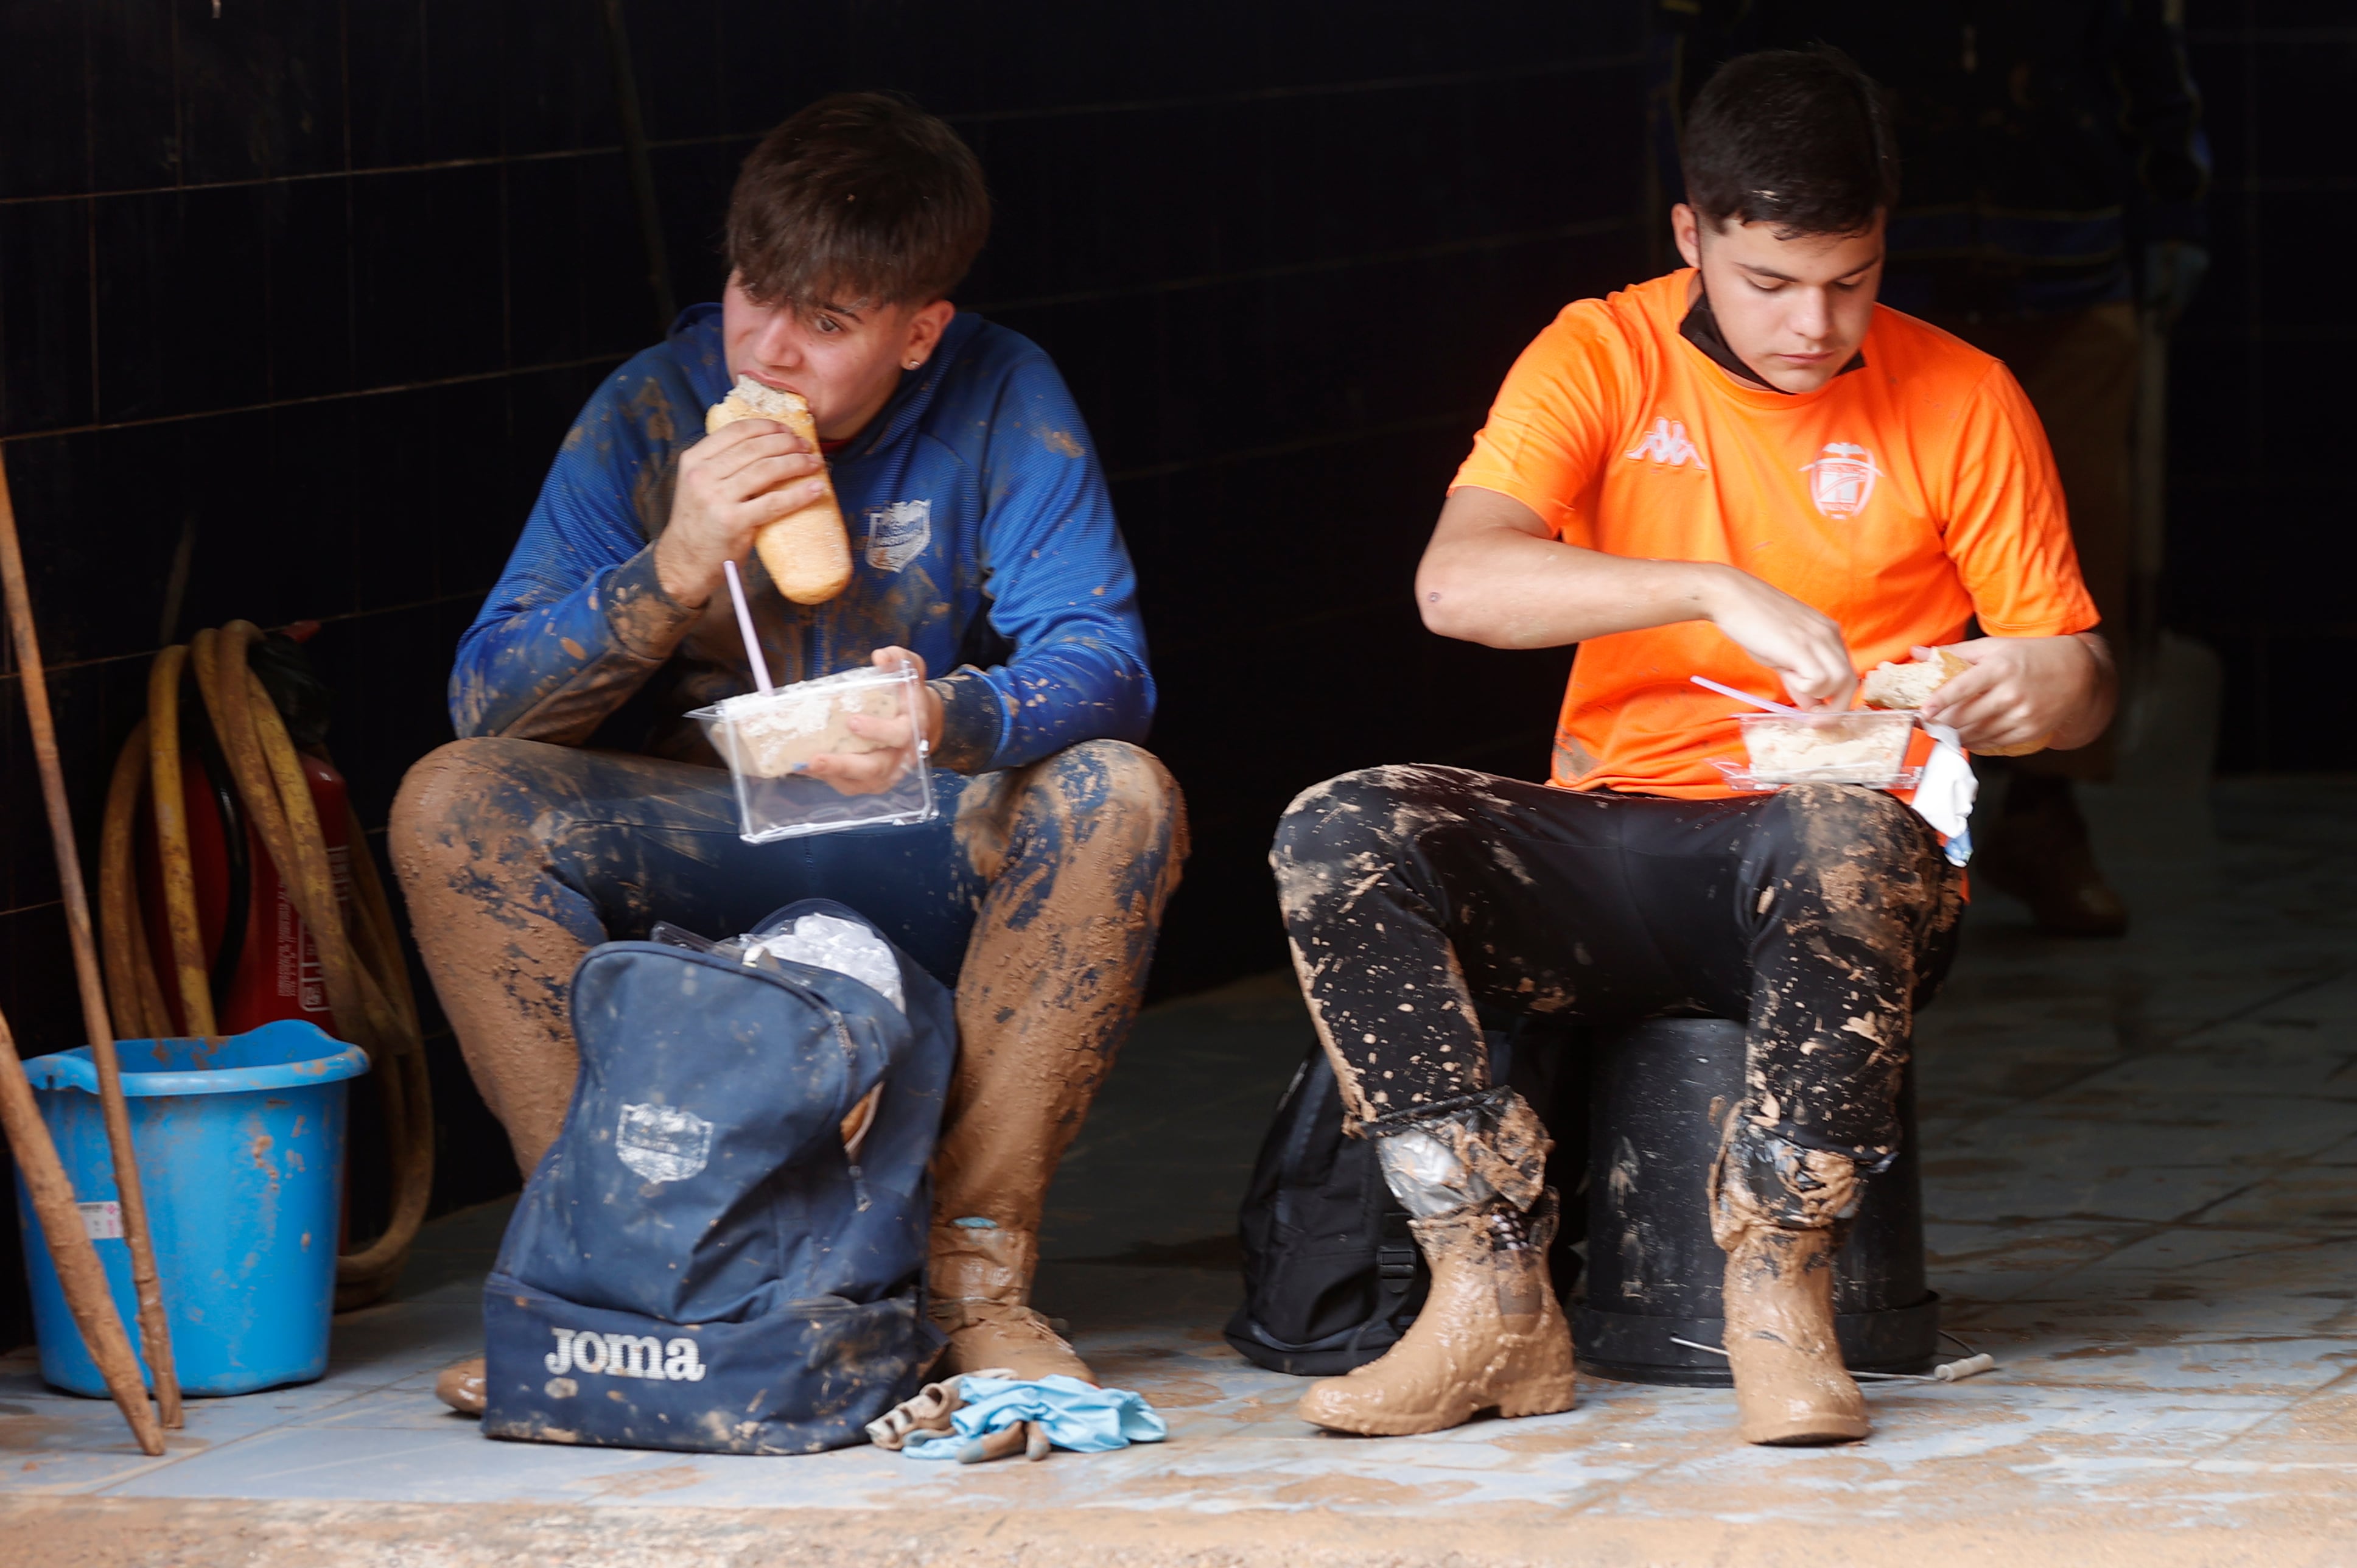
{"x":317,"y":287}
{"x":2263,"y":510}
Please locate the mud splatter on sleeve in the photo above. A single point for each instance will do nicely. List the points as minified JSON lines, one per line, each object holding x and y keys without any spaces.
{"x":1061,"y":587}
{"x":974,"y":716}
{"x":578,"y":621}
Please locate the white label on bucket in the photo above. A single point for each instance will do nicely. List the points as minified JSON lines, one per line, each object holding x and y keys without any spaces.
{"x":662,"y":1143}
{"x":101,"y":1221}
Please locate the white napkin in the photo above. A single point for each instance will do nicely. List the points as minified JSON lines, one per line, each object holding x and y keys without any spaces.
{"x":1944,"y":797}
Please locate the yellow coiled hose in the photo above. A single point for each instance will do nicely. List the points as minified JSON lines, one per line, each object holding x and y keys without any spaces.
{"x":367,"y":980}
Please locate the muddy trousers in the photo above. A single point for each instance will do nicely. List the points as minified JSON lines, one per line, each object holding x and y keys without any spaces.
{"x":1036,"y":894}
{"x":1425,"y":902}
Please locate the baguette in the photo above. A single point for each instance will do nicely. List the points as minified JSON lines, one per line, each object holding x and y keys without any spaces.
{"x":1905,"y":686}
{"x":807,"y":554}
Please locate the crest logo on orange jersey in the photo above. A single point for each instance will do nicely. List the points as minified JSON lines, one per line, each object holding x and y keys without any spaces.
{"x":1841,"y":481}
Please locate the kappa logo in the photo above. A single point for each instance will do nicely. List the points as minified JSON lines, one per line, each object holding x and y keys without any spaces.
{"x":624,"y":1356}
{"x":1841,"y":481}
{"x":898,"y":534}
{"x":662,"y":1143}
{"x":1668,"y":444}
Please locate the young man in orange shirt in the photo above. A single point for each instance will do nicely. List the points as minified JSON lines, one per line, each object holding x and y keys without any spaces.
{"x":1746,"y":470}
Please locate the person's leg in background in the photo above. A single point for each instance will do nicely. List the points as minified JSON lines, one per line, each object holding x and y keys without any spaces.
{"x":1414,"y":895}
{"x":2078,"y":369}
{"x":518,"y":857}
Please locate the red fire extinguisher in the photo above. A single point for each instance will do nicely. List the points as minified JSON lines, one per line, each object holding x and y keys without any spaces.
{"x":263,"y":963}
{"x":261,"y":959}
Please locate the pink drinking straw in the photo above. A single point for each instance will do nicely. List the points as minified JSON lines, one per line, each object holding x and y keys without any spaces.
{"x":745,"y":628}
{"x":1725,"y":691}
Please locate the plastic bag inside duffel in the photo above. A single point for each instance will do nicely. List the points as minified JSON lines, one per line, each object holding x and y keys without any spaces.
{"x":697,"y":1263}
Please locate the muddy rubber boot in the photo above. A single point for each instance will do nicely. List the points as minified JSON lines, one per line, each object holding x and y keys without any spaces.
{"x":460,"y":1386}
{"x":1490,"y":1336}
{"x":2037,"y":850}
{"x":1791,"y":1389}
{"x":981,"y":1287}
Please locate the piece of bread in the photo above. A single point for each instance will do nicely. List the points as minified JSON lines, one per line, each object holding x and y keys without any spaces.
{"x":786,"y":730}
{"x":807,"y":553}
{"x":1905,"y":686}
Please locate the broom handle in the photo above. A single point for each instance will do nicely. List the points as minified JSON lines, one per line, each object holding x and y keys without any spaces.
{"x":155,"y":1333}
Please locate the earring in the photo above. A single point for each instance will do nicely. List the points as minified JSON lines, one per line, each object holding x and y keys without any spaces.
{"x":914,"y":363}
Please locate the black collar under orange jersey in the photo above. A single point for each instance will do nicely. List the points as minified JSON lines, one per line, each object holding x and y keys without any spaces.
{"x":1701,"y":328}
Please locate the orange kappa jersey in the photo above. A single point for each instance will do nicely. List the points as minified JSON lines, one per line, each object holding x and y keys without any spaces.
{"x":1900,"y":499}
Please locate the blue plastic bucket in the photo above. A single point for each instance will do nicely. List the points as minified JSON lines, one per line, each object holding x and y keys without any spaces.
{"x":240,"y":1148}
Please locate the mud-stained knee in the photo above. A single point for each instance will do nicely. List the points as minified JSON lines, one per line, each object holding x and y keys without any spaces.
{"x":1377,"y":794}
{"x":1867,"y":854}
{"x":1869,"y":817}
{"x":1348,"y":814}
{"x":1117,"y":782}
{"x":455,"y":792}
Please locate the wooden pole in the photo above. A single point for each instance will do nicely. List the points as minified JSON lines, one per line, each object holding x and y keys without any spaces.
{"x":155,"y":1332}
{"x":79,"y":1272}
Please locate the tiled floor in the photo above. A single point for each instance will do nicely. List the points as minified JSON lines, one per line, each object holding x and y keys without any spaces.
{"x":2142,"y":1172}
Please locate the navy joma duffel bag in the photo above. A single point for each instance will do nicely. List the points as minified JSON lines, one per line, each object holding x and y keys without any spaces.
{"x":698,"y":1263}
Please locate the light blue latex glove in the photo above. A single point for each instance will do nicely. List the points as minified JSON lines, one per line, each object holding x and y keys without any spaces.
{"x":1076,"y":1415}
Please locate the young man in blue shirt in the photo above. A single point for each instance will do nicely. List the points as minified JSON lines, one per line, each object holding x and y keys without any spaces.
{"x":581,"y":804}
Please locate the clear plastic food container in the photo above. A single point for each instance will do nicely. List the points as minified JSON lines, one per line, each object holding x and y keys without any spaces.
{"x":769,"y":739}
{"x":1860,"y":745}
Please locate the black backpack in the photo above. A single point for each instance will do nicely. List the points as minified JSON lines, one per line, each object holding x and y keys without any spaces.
{"x":1332,"y":1278}
{"x":1333,"y":1275}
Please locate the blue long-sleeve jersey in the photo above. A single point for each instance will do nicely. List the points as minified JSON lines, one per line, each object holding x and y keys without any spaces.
{"x":982,"y":539}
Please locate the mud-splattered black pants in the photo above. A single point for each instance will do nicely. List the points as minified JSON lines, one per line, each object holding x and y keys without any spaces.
{"x":1423,"y":902}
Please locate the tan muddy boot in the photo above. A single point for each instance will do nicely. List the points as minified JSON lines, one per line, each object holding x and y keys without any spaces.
{"x":981,"y":1278}
{"x":1490,"y":1336}
{"x":460,"y":1386}
{"x":1791,"y":1389}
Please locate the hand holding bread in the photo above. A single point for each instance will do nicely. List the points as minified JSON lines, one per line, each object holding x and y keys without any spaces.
{"x":886,"y":743}
{"x":1910,"y":686}
{"x":725,"y":491}
{"x":806,"y":551}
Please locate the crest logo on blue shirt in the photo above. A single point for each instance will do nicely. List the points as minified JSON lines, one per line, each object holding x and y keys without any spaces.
{"x":898,"y":534}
